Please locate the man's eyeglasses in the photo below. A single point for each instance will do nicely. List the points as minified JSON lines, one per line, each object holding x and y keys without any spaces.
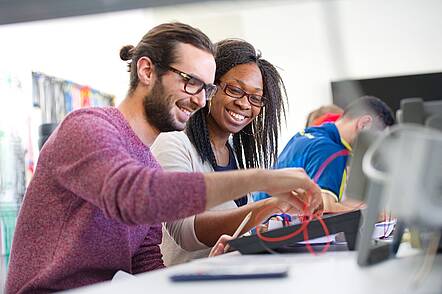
{"x":194,"y":85}
{"x":238,"y":93}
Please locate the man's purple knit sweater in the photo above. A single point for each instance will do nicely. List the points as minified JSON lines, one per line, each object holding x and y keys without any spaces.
{"x":94,"y":206}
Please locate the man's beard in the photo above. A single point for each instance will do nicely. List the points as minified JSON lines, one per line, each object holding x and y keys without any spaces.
{"x":157,"y":109}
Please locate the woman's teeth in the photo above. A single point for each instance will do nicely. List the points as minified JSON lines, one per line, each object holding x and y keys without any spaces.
{"x":236,"y":116}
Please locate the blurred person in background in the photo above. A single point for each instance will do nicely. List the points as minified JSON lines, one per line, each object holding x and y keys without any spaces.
{"x":313,"y":146}
{"x":324,"y":114}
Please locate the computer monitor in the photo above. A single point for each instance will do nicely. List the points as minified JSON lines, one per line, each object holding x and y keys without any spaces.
{"x":428,"y":113}
{"x":361,"y":188}
{"x":391,"y":89}
{"x":374,"y":193}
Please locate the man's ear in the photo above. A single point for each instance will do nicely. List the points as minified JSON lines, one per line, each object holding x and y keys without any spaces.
{"x":365,"y":122}
{"x":145,"y":70}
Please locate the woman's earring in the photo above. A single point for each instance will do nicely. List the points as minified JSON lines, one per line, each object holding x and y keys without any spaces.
{"x":209,"y":105}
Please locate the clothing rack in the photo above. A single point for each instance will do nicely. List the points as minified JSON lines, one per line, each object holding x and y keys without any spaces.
{"x":57,"y":97}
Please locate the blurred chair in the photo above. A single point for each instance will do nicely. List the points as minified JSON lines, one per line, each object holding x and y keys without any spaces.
{"x":415,"y":110}
{"x":44,"y":131}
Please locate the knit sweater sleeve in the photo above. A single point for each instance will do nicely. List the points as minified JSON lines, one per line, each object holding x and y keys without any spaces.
{"x":175,"y":153}
{"x":93,"y":161}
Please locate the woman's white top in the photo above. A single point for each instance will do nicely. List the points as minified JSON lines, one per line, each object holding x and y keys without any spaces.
{"x":175,"y":152}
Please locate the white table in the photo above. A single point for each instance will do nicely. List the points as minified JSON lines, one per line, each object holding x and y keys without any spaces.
{"x":333,"y":272}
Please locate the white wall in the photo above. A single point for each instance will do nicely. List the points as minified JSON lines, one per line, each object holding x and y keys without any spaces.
{"x":82,"y":49}
{"x":313,"y":42}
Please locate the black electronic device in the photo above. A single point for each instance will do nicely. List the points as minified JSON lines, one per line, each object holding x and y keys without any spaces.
{"x":390,"y":89}
{"x":348,"y":223}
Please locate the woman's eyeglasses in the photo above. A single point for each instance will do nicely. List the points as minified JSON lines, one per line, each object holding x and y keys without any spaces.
{"x":194,"y":85}
{"x":238,"y":93}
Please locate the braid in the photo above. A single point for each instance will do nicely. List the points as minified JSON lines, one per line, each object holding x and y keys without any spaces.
{"x":274,"y":112}
{"x":198,"y":134}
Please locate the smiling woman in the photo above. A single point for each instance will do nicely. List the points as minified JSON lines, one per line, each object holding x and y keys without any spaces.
{"x":231,"y":110}
{"x":237,"y":129}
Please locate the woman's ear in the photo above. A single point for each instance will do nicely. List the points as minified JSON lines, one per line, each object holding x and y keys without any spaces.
{"x":145,"y":70}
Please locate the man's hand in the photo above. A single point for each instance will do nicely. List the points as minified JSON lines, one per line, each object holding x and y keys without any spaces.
{"x":294,"y":186}
{"x":221,"y":187}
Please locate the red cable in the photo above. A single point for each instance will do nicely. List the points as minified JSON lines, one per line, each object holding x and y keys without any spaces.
{"x":343,"y":152}
{"x":326,"y":232}
{"x":307,"y":217}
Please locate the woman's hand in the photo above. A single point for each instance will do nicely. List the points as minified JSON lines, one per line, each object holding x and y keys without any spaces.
{"x":220,"y":245}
